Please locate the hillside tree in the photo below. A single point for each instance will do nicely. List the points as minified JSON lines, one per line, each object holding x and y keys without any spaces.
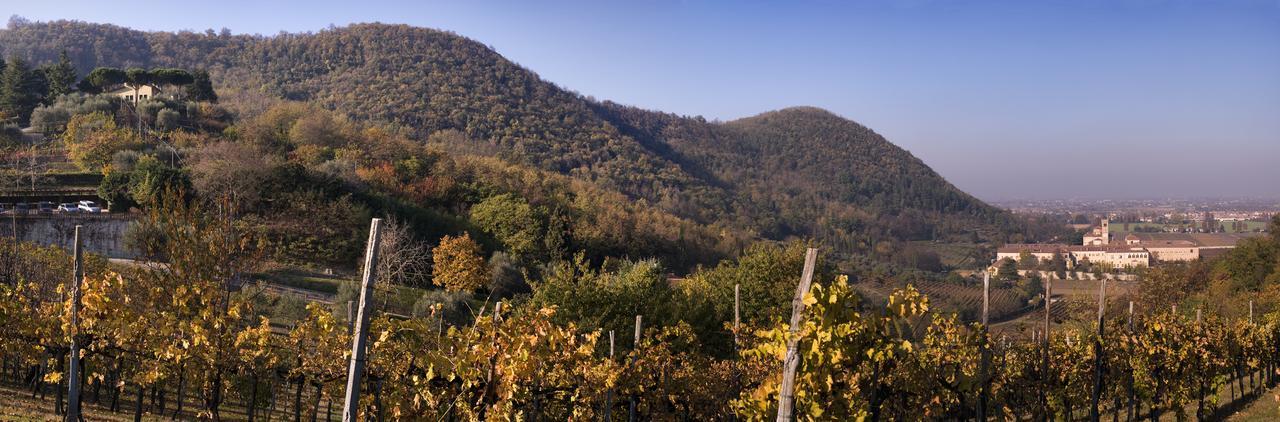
{"x":458,"y":264}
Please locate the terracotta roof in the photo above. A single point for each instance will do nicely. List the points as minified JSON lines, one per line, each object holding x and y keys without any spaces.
{"x":1032,"y":248}
{"x":1106,"y":248}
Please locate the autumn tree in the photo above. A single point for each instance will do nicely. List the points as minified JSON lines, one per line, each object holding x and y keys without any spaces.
{"x":458,"y":264}
{"x":91,"y":139}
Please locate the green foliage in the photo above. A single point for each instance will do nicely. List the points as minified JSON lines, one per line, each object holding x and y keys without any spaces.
{"x":767,"y":275}
{"x":53,"y":118}
{"x":61,"y":77}
{"x":151,"y":180}
{"x":115,"y":189}
{"x":512,"y":221}
{"x":93,"y":138}
{"x":1007,"y":271}
{"x":103,"y":77}
{"x":596,"y":299}
{"x":167,"y":76}
{"x":20,"y":91}
{"x":201,"y":88}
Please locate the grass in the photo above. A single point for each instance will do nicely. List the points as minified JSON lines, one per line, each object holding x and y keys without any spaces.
{"x":305,"y":280}
{"x":18,"y":405}
{"x":1265,"y":408}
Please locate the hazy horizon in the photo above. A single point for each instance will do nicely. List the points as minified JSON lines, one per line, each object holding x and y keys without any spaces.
{"x":1007,"y":100}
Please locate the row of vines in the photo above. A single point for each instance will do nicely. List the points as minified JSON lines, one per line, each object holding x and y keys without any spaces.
{"x":188,"y":328}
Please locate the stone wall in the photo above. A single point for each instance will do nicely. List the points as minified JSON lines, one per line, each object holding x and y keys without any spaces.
{"x":102,"y":234}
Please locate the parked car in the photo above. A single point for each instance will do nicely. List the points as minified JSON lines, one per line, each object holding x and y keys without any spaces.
{"x":44,"y":207}
{"x":21,"y":208}
{"x":89,"y":206}
{"x":68,"y":207}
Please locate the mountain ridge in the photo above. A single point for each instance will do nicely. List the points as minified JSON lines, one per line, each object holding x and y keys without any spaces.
{"x":794,"y":172}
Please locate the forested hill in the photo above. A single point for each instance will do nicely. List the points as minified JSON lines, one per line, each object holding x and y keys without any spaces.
{"x":794,"y":172}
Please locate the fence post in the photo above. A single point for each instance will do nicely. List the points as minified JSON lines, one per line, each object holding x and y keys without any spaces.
{"x":73,"y":374}
{"x":351,"y":404}
{"x":786,"y":398}
{"x":1044,"y":369}
{"x":608,"y":396}
{"x":1133,"y":394}
{"x":1094,"y":415}
{"x":737,"y":297}
{"x":635,"y":354}
{"x":983,"y":376}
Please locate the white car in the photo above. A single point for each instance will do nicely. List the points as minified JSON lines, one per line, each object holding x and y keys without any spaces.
{"x":89,"y":206}
{"x":68,"y":207}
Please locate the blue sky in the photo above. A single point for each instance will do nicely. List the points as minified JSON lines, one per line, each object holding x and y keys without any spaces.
{"x":1007,"y":99}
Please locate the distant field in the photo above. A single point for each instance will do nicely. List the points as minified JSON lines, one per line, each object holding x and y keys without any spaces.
{"x":1120,"y":227}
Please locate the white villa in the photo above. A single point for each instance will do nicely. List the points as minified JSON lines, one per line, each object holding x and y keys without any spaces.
{"x":135,"y":94}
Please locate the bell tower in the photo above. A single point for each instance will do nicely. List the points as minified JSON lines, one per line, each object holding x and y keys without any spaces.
{"x":1106,"y":232}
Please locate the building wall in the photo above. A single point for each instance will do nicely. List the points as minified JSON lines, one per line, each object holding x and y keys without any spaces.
{"x":1016,"y":256}
{"x":1184,"y":253}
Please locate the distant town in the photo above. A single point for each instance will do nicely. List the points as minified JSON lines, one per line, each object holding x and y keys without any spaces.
{"x":1123,"y":235}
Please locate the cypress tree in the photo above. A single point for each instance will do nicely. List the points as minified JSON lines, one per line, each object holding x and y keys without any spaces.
{"x":61,"y":77}
{"x":17,"y":91}
{"x":201,"y":88}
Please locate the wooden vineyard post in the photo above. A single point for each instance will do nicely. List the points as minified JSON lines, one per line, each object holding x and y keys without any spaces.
{"x":1044,"y":368}
{"x":737,"y":297}
{"x":1250,"y":312}
{"x":986,"y":347}
{"x":635,"y":354}
{"x":786,"y":396}
{"x":608,"y":395}
{"x":1097,"y":352}
{"x":1133,"y":394}
{"x":73,"y":374}
{"x":351,"y":404}
{"x":737,"y":370}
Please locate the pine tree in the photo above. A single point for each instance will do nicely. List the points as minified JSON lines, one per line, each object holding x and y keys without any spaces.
{"x":17,"y":92}
{"x":61,"y":77}
{"x":201,"y":88}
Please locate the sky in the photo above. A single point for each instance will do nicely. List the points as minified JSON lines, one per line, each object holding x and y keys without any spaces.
{"x":1008,"y":100}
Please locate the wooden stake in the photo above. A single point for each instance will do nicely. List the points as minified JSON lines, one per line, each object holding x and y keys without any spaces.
{"x":1133,"y":395}
{"x":635,"y":354}
{"x":736,"y":299}
{"x":73,"y":374}
{"x":1098,"y":361}
{"x":1044,"y":369}
{"x":986,"y":349}
{"x":608,"y":397}
{"x":786,"y":397}
{"x":1251,"y":312}
{"x":351,"y":404}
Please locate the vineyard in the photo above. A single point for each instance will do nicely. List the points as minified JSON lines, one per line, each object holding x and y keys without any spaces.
{"x":182,"y":339}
